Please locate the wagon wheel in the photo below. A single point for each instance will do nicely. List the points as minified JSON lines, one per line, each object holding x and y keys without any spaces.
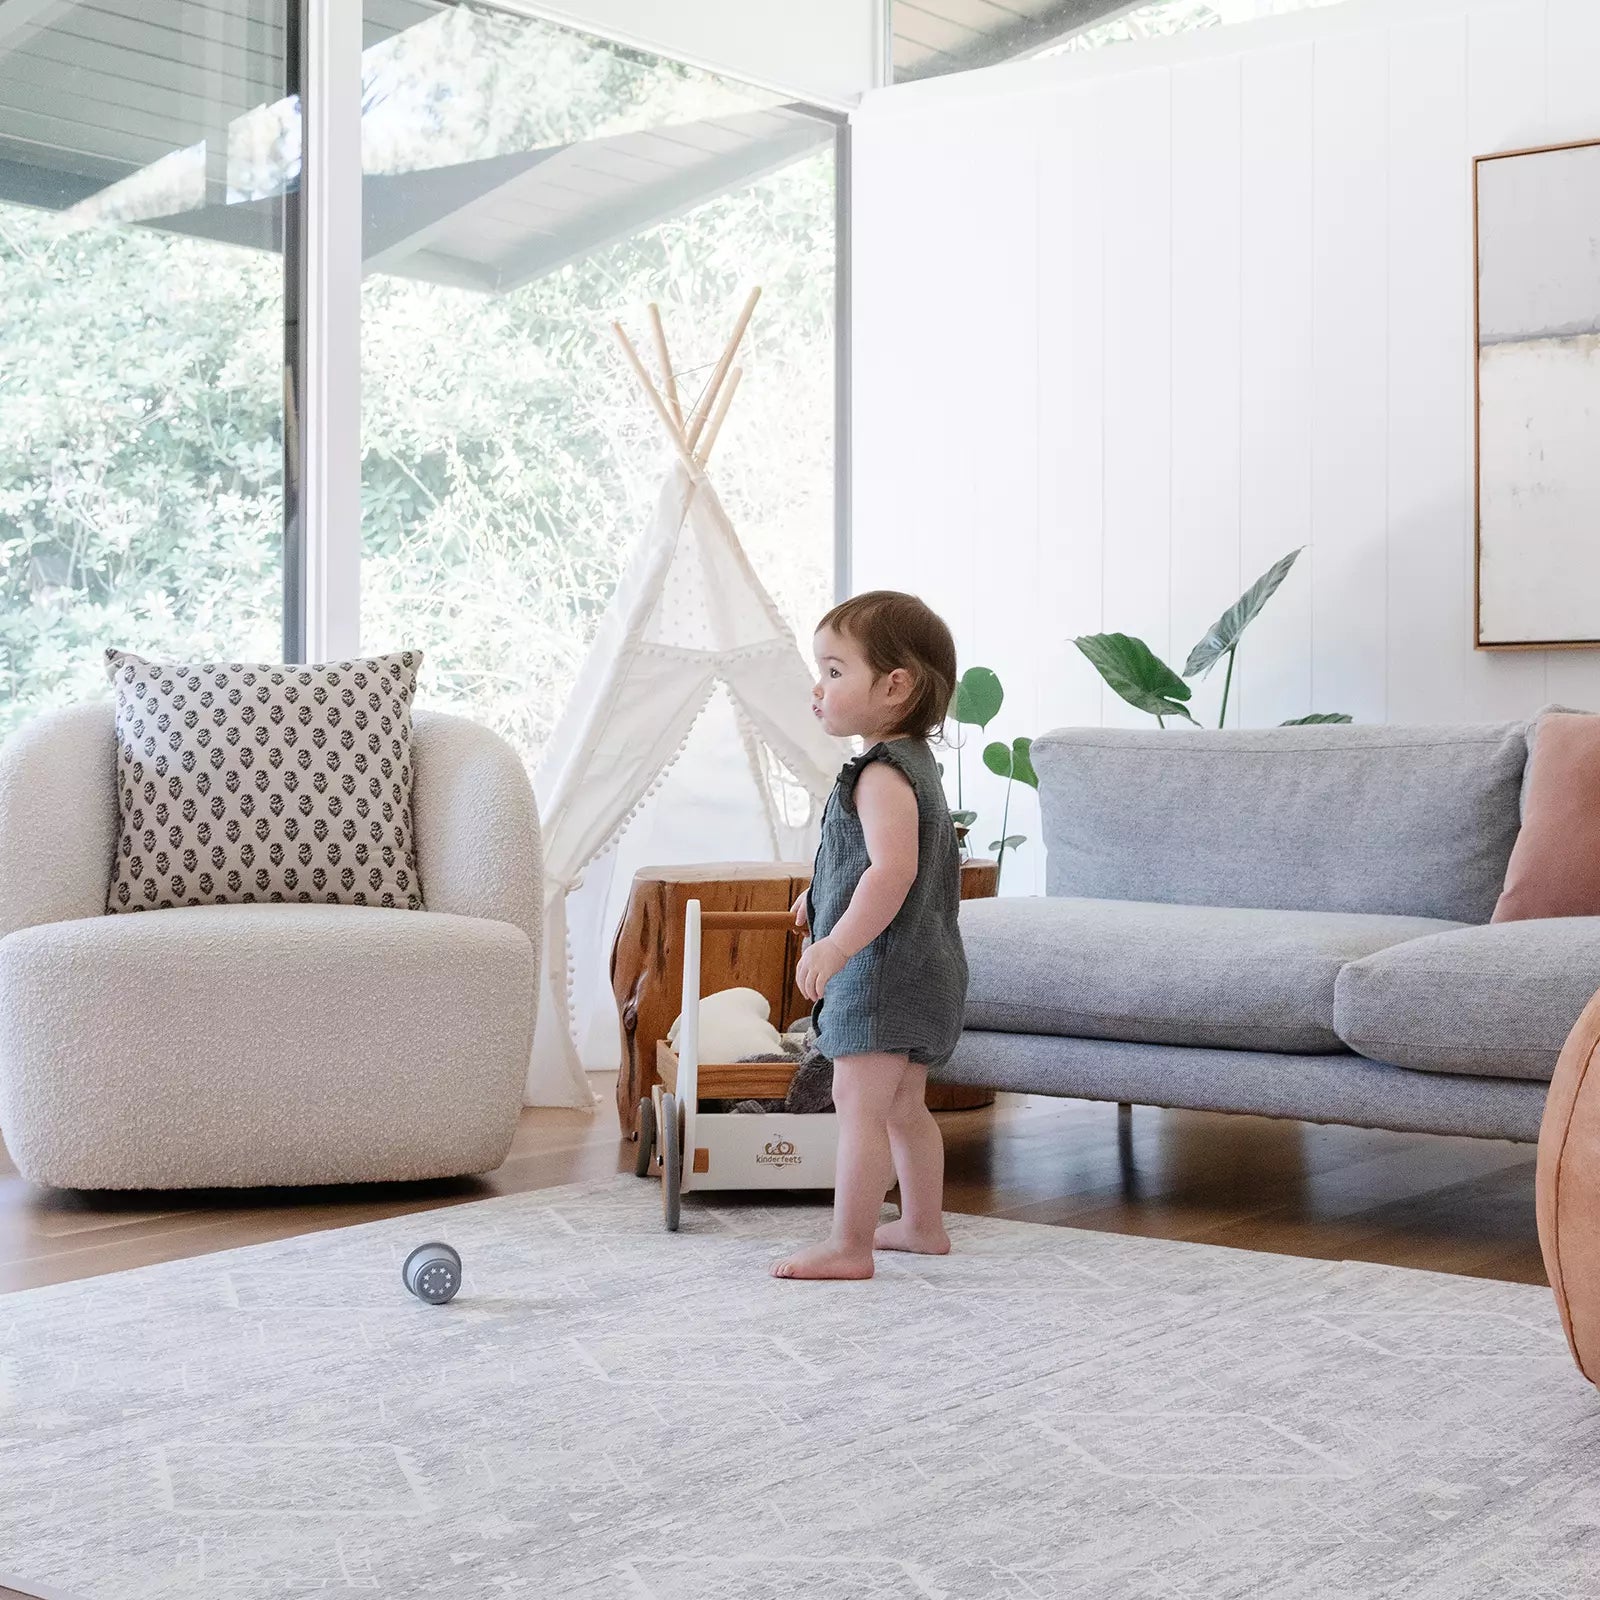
{"x":645,"y":1154}
{"x":671,"y":1139}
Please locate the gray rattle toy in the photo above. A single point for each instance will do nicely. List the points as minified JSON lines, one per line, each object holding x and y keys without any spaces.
{"x":432,"y":1272}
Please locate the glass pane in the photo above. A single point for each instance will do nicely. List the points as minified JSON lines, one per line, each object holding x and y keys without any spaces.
{"x":145,"y":148}
{"x":935,"y":37}
{"x":526,"y":185}
{"x":1163,"y":17}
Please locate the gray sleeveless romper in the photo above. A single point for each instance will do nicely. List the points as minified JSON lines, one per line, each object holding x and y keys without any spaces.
{"x":907,"y":990}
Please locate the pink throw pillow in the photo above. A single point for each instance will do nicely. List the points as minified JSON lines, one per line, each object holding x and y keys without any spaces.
{"x":1554,"y":870}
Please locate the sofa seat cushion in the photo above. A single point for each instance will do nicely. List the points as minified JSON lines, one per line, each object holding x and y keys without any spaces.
{"x":1498,"y":1000}
{"x":1225,"y":977}
{"x":265,"y":1044}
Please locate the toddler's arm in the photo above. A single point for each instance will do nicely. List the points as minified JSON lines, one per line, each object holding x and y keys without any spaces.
{"x":887,"y":806}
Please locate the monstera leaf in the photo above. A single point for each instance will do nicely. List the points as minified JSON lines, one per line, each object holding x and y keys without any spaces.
{"x":1225,"y":631}
{"x":1022,"y":763}
{"x":1013,"y":761}
{"x":978,"y":697}
{"x":1316,"y":716}
{"x":1140,"y":676}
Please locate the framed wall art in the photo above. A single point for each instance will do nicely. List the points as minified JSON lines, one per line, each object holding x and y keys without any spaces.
{"x":1537,"y":255}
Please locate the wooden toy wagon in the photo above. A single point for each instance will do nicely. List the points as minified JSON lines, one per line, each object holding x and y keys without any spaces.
{"x":691,"y":1148}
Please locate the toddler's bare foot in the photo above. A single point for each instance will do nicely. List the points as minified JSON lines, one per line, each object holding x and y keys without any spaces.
{"x":824,"y":1260}
{"x":897,"y":1236}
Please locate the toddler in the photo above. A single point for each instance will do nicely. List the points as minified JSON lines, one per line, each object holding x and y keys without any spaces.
{"x":884,"y":966}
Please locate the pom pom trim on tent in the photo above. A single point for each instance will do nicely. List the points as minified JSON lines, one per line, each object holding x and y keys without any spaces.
{"x":627,"y":715}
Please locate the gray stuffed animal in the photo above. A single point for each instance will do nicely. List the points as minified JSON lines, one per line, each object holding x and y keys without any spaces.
{"x":811,"y":1087}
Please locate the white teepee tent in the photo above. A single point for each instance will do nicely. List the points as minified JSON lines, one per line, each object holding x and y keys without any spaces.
{"x":689,"y":614}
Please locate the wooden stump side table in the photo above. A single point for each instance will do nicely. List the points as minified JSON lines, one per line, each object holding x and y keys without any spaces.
{"x":647,"y":960}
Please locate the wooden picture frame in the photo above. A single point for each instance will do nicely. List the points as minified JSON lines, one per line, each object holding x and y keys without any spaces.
{"x":1535,"y":585}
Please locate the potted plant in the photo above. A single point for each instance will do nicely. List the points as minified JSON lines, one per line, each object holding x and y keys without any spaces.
{"x":976,"y":703}
{"x":1144,"y":680}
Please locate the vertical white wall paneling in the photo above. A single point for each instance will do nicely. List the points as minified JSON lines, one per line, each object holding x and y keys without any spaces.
{"x":1205,"y":288}
{"x":1137,"y":162}
{"x":1573,"y":111}
{"x":923,"y":366}
{"x":1349,"y":430}
{"x":1272,"y":219}
{"x":994,"y":321}
{"x":1272,"y":677}
{"x":1430,"y":372}
{"x":1505,"y":111}
{"x":1071,"y":418}
{"x":900,"y":400}
{"x":950,"y":541}
{"x":1572,"y":50}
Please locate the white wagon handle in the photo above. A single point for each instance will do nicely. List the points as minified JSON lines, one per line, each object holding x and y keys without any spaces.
{"x":689,"y":1034}
{"x":689,"y":1013}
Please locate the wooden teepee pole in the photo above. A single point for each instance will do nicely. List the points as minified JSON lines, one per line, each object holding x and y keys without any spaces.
{"x":668,"y":382}
{"x":715,"y":426}
{"x":685,"y":454}
{"x":697,"y":421}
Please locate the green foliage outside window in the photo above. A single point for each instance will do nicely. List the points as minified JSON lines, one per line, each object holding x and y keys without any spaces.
{"x":509,"y":462}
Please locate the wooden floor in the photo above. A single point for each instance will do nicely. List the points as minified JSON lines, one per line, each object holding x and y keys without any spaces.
{"x":1413,"y":1200}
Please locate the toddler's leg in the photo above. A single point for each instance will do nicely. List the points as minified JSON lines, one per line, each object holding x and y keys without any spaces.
{"x":863,"y":1090}
{"x":918,"y":1148}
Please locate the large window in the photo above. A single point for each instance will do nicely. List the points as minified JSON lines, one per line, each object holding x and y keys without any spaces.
{"x":524,"y":186}
{"x":521,"y":185}
{"x":142,"y":303}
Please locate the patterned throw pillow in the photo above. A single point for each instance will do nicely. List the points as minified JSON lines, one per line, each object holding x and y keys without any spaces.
{"x":247,"y":783}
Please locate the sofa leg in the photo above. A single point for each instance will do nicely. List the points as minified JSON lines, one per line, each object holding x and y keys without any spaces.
{"x":1130,"y":1173}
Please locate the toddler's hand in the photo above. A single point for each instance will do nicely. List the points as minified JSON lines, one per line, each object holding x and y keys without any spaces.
{"x":798,"y":911}
{"x":822,"y":961}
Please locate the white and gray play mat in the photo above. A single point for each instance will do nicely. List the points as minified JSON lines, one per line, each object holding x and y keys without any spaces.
{"x":607,"y":1410}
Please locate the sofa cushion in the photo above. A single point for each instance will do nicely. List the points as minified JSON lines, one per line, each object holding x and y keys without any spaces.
{"x":265,"y":1044}
{"x":1498,"y":1001}
{"x":1413,"y":821}
{"x":1228,"y":977}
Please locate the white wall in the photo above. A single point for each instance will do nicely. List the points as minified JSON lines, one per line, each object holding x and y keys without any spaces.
{"x":825,"y":51}
{"x":1130,"y":326}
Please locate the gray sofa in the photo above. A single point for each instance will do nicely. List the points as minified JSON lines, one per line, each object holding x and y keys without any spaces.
{"x":1287,"y":921}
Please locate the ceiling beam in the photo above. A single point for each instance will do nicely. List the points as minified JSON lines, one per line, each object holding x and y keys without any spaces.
{"x":407,"y":211}
{"x":45,"y":188}
{"x":650,"y":204}
{"x":409,"y":216}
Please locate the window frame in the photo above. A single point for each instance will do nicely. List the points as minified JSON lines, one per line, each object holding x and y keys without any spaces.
{"x":322,"y":335}
{"x":322,"y":411}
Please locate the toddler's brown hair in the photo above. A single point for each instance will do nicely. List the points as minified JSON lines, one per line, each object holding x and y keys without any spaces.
{"x":899,"y":630}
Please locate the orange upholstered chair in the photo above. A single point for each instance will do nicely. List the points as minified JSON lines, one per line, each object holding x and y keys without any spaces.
{"x":1568,"y":1189}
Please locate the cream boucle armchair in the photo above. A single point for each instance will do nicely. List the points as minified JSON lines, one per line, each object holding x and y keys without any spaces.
{"x":263,"y":1044}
